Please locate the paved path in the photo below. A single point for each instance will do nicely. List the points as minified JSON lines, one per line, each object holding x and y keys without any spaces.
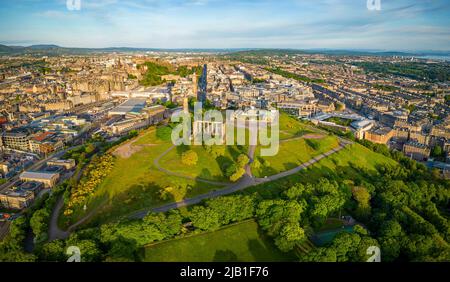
{"x":54,"y":232}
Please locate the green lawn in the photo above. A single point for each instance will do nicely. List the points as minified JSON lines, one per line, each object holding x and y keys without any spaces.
{"x":340,"y":121}
{"x":351,"y":163}
{"x":207,"y":167}
{"x":293,"y":153}
{"x":294,"y":150}
{"x":291,"y":127}
{"x":242,"y":242}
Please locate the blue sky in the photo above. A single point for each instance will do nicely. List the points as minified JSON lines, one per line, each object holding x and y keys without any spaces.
{"x":300,"y":24}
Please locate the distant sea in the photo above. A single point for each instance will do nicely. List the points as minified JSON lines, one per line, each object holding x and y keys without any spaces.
{"x":431,"y":57}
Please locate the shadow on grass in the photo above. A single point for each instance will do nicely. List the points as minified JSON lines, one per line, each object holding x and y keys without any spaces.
{"x":181,"y":149}
{"x":225,"y":256}
{"x":206,"y":174}
{"x":290,"y":165}
{"x":270,"y":190}
{"x":135,"y":198}
{"x":224,"y":163}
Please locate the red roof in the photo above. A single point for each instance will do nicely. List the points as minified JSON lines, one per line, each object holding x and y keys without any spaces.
{"x":42,"y":136}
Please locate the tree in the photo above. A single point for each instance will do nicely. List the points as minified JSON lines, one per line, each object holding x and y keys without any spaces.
{"x":230,"y":170}
{"x":437,"y":151}
{"x":290,"y":235}
{"x":233,"y":208}
{"x":362,"y":197}
{"x":256,"y":164}
{"x":89,"y":148}
{"x":242,"y":160}
{"x":52,"y":252}
{"x":281,"y":219}
{"x":122,"y":250}
{"x":295,"y":191}
{"x":11,"y":248}
{"x":204,"y":218}
{"x":189,"y":158}
{"x":390,"y":248}
{"x":319,"y":255}
{"x":237,"y":175}
{"x":39,"y":224}
{"x":216,"y":151}
{"x":89,"y":251}
{"x":169,"y":224}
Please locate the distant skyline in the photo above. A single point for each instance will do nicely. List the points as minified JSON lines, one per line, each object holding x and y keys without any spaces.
{"x":403,"y":25}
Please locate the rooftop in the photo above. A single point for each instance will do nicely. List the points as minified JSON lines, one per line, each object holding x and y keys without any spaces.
{"x":361,"y":123}
{"x":134,"y":105}
{"x":38,"y":175}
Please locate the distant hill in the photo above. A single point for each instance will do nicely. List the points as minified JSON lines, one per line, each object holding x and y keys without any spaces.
{"x":43,"y":47}
{"x":6,"y":49}
{"x":52,"y":49}
{"x":282,"y":52}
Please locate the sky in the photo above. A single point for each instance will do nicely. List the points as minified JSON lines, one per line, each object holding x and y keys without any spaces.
{"x":403,"y":25}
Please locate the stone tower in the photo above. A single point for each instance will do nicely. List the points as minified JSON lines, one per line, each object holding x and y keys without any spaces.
{"x":195,"y":85}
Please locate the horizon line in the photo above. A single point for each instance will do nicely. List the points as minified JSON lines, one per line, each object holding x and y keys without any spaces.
{"x":234,"y":48}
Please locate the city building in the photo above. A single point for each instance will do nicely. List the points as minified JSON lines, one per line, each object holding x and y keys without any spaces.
{"x":16,"y":140}
{"x":416,"y":151}
{"x":49,"y":179}
{"x":361,"y":127}
{"x":134,"y":105}
{"x":380,"y":135}
{"x":299,"y":108}
{"x":67,"y":164}
{"x":20,"y":197}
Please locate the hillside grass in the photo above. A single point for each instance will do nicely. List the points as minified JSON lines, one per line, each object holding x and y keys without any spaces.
{"x":241,"y":242}
{"x":135,"y":183}
{"x":207,"y":167}
{"x":292,"y":154}
{"x":351,"y":163}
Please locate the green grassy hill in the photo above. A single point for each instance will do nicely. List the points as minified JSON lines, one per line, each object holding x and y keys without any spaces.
{"x":238,"y":242}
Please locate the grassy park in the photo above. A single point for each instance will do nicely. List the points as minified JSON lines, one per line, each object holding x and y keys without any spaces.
{"x":352,"y":162}
{"x":239,"y":242}
{"x":148,"y":171}
{"x":136,"y":183}
{"x":299,"y":143}
{"x":207,"y":166}
{"x":292,"y":153}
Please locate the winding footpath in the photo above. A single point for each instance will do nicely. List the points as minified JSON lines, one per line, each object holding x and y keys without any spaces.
{"x":54,"y":232}
{"x":246,"y":181}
